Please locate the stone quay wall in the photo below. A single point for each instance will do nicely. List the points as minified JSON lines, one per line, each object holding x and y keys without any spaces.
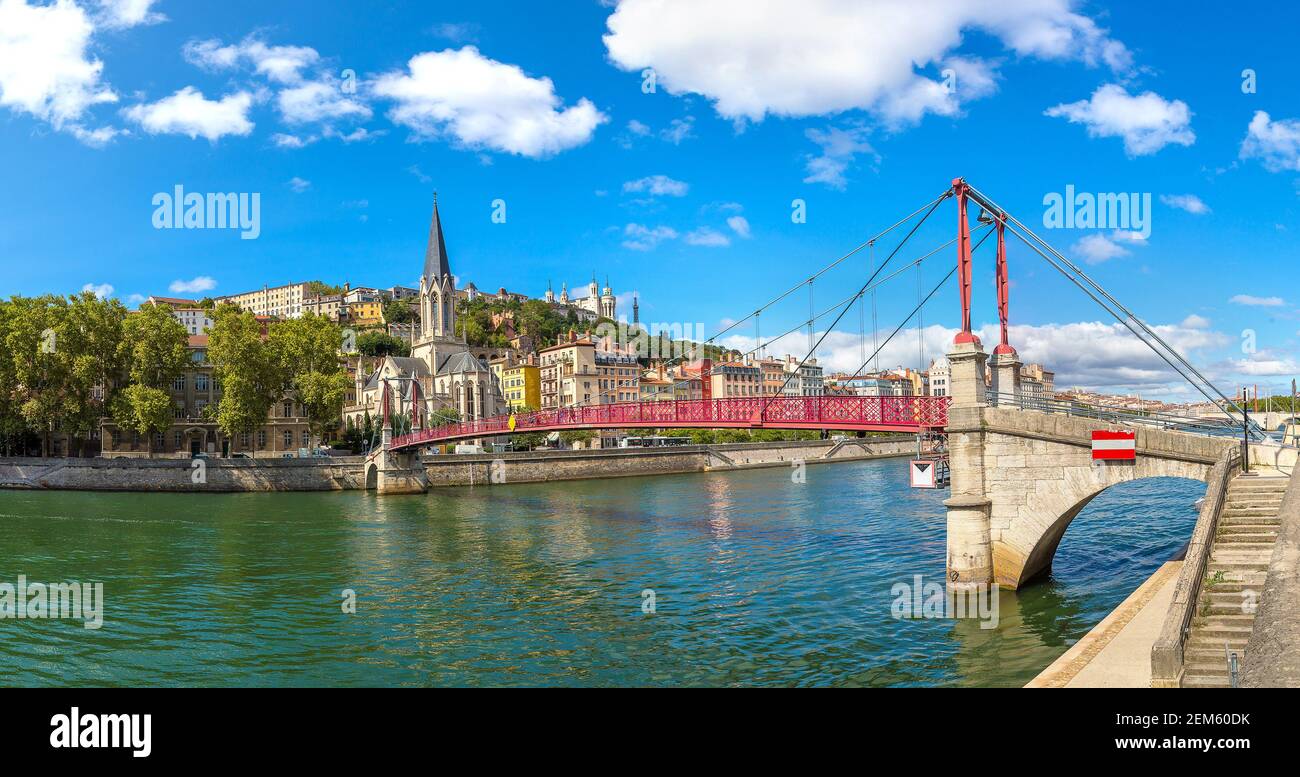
{"x":348,"y":473}
{"x":538,"y":467}
{"x":182,"y":476}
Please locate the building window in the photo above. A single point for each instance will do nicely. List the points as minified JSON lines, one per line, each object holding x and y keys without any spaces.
{"x":261,"y":439}
{"x":179,"y":384}
{"x":288,"y":410}
{"x":201,"y":382}
{"x":288,"y":440}
{"x":306,"y":438}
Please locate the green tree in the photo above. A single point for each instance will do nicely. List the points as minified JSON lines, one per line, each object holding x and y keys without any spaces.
{"x":40,"y":364}
{"x":398,"y":311}
{"x":154,"y":347}
{"x":307,"y":350}
{"x":246,"y":366}
{"x":379,"y":343}
{"x":94,"y":333}
{"x":144,"y":410}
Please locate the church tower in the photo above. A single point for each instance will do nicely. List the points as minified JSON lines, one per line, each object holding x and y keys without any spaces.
{"x":607,"y":301}
{"x":550,"y":293}
{"x":437,"y":297}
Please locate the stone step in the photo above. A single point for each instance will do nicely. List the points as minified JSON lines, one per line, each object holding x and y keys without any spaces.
{"x":1225,"y":608}
{"x":1237,"y":529}
{"x":1250,"y":520}
{"x":1225,"y":626}
{"x":1253,"y":505}
{"x":1227,"y":587}
{"x":1215,"y":645}
{"x":1196,"y":681}
{"x":1235,"y":538}
{"x":1211,"y":655}
{"x":1233,"y":544}
{"x":1242,"y":512}
{"x":1208,"y":667}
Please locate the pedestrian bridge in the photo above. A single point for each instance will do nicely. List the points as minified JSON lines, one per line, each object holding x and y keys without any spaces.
{"x":844,"y":414}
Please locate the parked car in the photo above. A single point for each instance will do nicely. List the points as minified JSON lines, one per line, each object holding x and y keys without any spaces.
{"x":240,"y":456}
{"x":199,"y":455}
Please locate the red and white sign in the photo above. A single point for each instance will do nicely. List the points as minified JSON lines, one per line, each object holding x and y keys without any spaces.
{"x":1114,"y":446}
{"x":923,"y":473}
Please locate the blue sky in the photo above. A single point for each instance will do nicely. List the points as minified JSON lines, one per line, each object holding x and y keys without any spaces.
{"x":681,"y":194}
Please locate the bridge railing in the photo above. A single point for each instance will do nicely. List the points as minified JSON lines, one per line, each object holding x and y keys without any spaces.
{"x":773,"y":412}
{"x":1169,"y":421}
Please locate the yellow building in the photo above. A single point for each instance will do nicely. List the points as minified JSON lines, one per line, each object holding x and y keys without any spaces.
{"x":522,"y":386}
{"x":366,"y":313}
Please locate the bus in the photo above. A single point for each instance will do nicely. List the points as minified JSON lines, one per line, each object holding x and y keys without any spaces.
{"x":653,"y":442}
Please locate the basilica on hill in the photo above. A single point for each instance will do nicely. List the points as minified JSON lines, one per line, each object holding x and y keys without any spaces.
{"x":452,"y":381}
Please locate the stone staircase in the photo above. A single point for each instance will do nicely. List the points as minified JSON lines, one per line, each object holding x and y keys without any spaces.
{"x":1234,"y":578}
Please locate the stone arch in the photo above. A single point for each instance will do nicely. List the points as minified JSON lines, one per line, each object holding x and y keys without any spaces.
{"x":1027,"y":528}
{"x":372,"y":476}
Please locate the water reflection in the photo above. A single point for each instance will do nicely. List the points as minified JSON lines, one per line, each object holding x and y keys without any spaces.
{"x":758,"y":581}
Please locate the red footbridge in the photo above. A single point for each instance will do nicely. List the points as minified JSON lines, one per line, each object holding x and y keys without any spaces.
{"x":847,"y":414}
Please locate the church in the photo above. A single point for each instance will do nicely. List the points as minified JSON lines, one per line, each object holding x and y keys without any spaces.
{"x":453,"y":384}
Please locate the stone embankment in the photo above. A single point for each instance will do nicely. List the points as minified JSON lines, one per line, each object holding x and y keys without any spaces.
{"x":348,"y":473}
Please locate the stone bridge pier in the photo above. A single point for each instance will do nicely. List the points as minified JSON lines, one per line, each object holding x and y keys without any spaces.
{"x":395,"y":472}
{"x":1019,"y":477}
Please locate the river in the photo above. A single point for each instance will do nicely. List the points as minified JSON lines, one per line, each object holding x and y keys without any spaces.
{"x":756,"y":580}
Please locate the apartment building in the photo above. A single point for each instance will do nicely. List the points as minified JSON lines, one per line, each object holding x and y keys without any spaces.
{"x":730,"y":380}
{"x":567,"y":373}
{"x":277,"y":301}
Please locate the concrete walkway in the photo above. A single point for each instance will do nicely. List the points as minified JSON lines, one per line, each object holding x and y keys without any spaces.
{"x":1117,"y":652}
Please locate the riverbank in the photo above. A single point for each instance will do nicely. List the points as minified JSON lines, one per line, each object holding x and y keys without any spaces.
{"x":1116,"y":653}
{"x":347,"y":473}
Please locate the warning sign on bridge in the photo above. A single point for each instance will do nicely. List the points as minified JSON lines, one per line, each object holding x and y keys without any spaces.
{"x":1114,"y":446}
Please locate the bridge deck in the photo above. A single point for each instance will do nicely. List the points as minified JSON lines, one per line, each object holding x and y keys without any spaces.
{"x":872,"y":414}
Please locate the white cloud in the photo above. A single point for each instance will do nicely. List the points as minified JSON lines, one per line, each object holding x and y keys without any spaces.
{"x":188,"y":112}
{"x":739,"y":225}
{"x":196,"y":285}
{"x":319,"y":101}
{"x":658,"y":185}
{"x":839,"y":147}
{"x":1257,"y":302}
{"x":281,"y":64}
{"x":456,"y":32}
{"x":45,"y":67}
{"x":1263,"y":365}
{"x":100,"y":290}
{"x":1097,"y":248}
{"x":1147,"y":122}
{"x":707,"y":237}
{"x":639,"y":237}
{"x":282,"y":140}
{"x":1090,"y":354}
{"x":638,"y":128}
{"x":1188,"y":202}
{"x":1194,"y":321}
{"x":1275,"y":143}
{"x":678,"y":130}
{"x":121,"y":14}
{"x":757,"y":57}
{"x":485,"y":105}
{"x":299,"y":185}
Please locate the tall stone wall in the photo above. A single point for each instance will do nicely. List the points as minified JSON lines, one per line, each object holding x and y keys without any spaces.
{"x":181,"y":475}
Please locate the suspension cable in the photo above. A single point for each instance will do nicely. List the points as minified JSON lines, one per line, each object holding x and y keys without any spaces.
{"x":882,"y":266}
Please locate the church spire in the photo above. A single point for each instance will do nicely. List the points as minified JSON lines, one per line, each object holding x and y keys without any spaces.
{"x":436,"y":266}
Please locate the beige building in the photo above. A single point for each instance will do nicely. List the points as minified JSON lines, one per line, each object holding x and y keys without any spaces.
{"x":568,"y":373}
{"x":278,"y":301}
